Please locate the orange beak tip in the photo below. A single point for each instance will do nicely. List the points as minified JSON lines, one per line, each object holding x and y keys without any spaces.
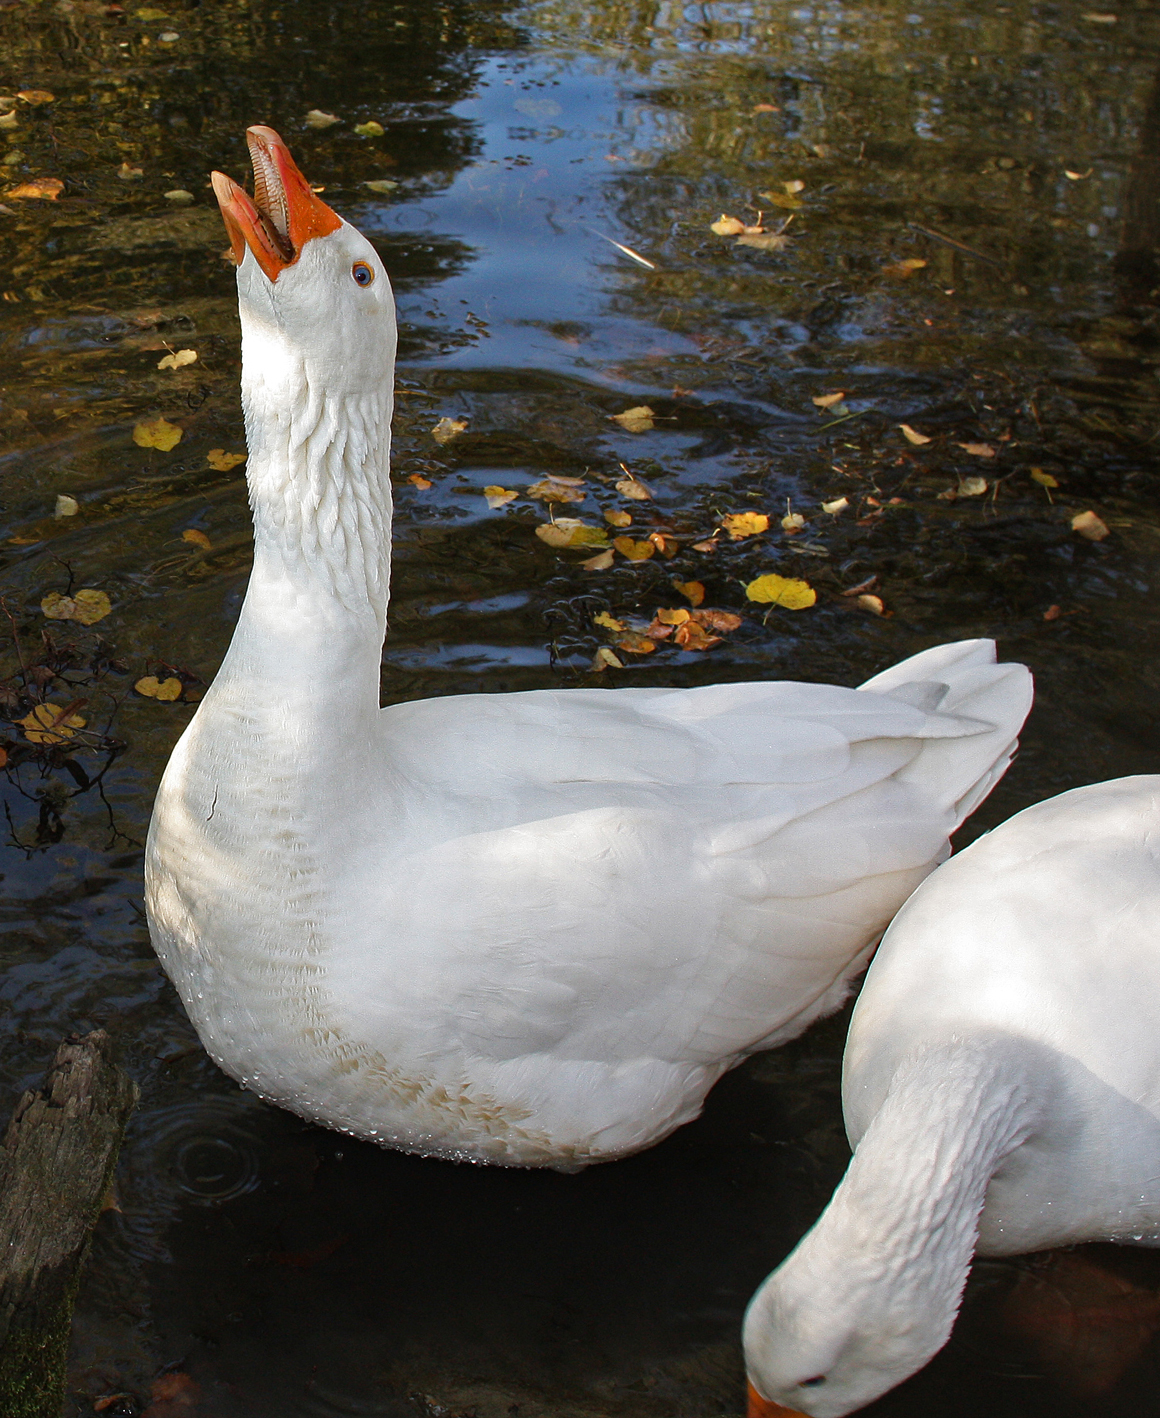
{"x":759,"y":1407}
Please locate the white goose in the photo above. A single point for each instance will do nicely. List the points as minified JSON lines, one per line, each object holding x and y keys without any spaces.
{"x":534,"y":928}
{"x":1002,"y":1093}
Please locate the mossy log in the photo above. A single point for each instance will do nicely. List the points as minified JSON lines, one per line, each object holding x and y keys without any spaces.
{"x":56,"y":1166}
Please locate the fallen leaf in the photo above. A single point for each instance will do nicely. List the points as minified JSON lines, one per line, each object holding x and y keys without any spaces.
{"x":948,"y":494}
{"x":972,"y":487}
{"x":498,"y":496}
{"x":605,"y":659}
{"x":1052,"y":613}
{"x":666,"y":545}
{"x":1043,"y":479}
{"x":827,"y":401}
{"x":316,"y":118}
{"x":173,"y":1396}
{"x":569,"y":532}
{"x":36,"y":96}
{"x":85,"y":607}
{"x":693,"y":591}
{"x":978,"y":450}
{"x":50,"y":723}
{"x":707,"y":546}
{"x":609,"y":622}
{"x":46,"y":188}
{"x":153,"y":688}
{"x":765,"y":241}
{"x":1101,"y":19}
{"x":765,"y":108}
{"x":179,"y":195}
{"x":169,"y":36}
{"x":792,"y":523}
{"x":632,"y":488}
{"x":725,"y":621}
{"x":178,"y":360}
{"x":157,"y":433}
{"x":635,"y":551}
{"x":618,"y":519}
{"x":1077,"y":176}
{"x":419,"y":481}
{"x":726,"y":225}
{"x":839,"y":504}
{"x":1089,"y":525}
{"x":745,"y":524}
{"x":635,"y":420}
{"x":874,"y":604}
{"x":636,"y":644}
{"x":782,"y":200}
{"x":785,"y":591}
{"x":678,"y":616}
{"x":370,"y":129}
{"x":447,"y":429}
{"x":795,"y":185}
{"x":693,"y":636}
{"x":129,"y":174}
{"x":221,"y":461}
{"x":552,"y":489}
{"x":381,"y":185}
{"x":110,"y":1400}
{"x":912,"y":435}
{"x":197,"y":538}
{"x":9,"y":120}
{"x":601,"y":562}
{"x":904,"y":268}
{"x":66,"y":506}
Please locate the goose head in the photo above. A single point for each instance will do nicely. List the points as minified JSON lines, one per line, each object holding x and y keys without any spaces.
{"x":312,"y":290}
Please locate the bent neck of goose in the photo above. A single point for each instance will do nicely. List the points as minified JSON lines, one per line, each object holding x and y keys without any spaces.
{"x":881,"y":1274}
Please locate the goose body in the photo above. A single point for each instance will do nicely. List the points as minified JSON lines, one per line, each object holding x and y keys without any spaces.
{"x":1001,"y":1088}
{"x":532,"y":928}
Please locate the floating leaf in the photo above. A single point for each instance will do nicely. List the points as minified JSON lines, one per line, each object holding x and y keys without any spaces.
{"x":972,"y":487}
{"x":180,"y":196}
{"x":609,"y":622}
{"x":707,"y":546}
{"x":47,"y":189}
{"x":157,"y":433}
{"x":36,"y":96}
{"x":764,"y":241}
{"x":726,"y":225}
{"x":874,"y":604}
{"x":419,"y":481}
{"x":665,"y":544}
{"x":178,"y":360}
{"x":498,"y":496}
{"x":618,"y":519}
{"x":1101,"y":19}
{"x":130,"y":174}
{"x":765,"y":108}
{"x":632,"y":488}
{"x":153,"y":688}
{"x":635,"y":551}
{"x":636,"y":644}
{"x":149,"y":15}
{"x":606,"y":659}
{"x":221,"y":461}
{"x":912,"y":435}
{"x":839,"y":504}
{"x":904,"y":268}
{"x":792,"y":523}
{"x":784,"y":591}
{"x":635,"y":420}
{"x":745,"y":524}
{"x":1089,"y":525}
{"x":168,"y":36}
{"x":724,"y":621}
{"x":693,"y":591}
{"x":316,"y":118}
{"x":794,"y":185}
{"x":569,"y":532}
{"x":782,"y":200}
{"x":85,"y":607}
{"x":827,"y":401}
{"x":693,"y":636}
{"x":553,"y":489}
{"x":381,"y":185}
{"x":677,"y":616}
{"x":66,"y":506}
{"x":9,"y":120}
{"x":1052,"y":612}
{"x":447,"y":429}
{"x":1043,"y":479}
{"x":50,"y":723}
{"x":197,"y":538}
{"x":978,"y":450}
{"x":601,"y":562}
{"x":1077,"y":176}
{"x":370,"y":129}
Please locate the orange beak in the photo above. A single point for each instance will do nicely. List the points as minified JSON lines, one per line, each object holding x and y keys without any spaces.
{"x":283,"y":214}
{"x":765,"y":1408}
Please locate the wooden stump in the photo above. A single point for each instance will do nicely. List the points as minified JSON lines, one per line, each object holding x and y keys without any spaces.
{"x":56,"y":1165}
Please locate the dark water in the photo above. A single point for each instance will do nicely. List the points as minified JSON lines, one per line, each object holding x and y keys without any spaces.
{"x":285,"y":1269}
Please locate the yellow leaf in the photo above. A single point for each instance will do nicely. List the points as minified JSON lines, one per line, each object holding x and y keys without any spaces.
{"x":782,"y":200}
{"x":177,"y":360}
{"x":50,"y":723}
{"x":221,"y":461}
{"x":157,"y":433}
{"x":447,"y":429}
{"x":827,"y":401}
{"x":618,"y":519}
{"x":370,"y":129}
{"x":677,"y":616}
{"x":47,"y":188}
{"x":9,"y":120}
{"x":196,"y":538}
{"x":568,"y":532}
{"x":1043,"y":479}
{"x":86,"y":607}
{"x":839,"y":504}
{"x":608,"y":621}
{"x":600,"y":562}
{"x":904,"y":268}
{"x":316,"y":118}
{"x":1089,"y":525}
{"x":36,"y":96}
{"x":635,"y":551}
{"x":792,"y":523}
{"x":153,"y":688}
{"x":972,"y":487}
{"x":784,"y":591}
{"x":632,"y":488}
{"x":978,"y":450}
{"x":636,"y":420}
{"x":381,"y":185}
{"x":745,"y":524}
{"x":66,"y":506}
{"x":796,"y":185}
{"x":498,"y":496}
{"x":419,"y":481}
{"x":693,"y":591}
{"x":605,"y":658}
{"x":726,"y":225}
{"x":912,"y":435}
{"x":552,"y":489}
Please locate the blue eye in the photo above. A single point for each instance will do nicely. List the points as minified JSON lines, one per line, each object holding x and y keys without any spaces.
{"x":362,"y":273}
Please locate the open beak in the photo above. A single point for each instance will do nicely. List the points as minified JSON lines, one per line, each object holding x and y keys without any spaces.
{"x":765,"y":1408}
{"x":283,"y":213}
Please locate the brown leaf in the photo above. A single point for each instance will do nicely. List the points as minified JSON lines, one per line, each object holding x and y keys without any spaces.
{"x":978,"y":450}
{"x":1089,"y":525}
{"x":552,"y":489}
{"x":600,"y":562}
{"x":912,"y":435}
{"x":419,"y":481}
{"x":198,"y":538}
{"x":635,"y":551}
{"x":724,"y":621}
{"x":692,"y":636}
{"x":1052,"y":613}
{"x":36,"y":96}
{"x":173,"y":1396}
{"x":764,"y":241}
{"x":827,"y":401}
{"x":707,"y":546}
{"x":666,"y":545}
{"x":636,"y":644}
{"x":47,"y":189}
{"x":693,"y":591}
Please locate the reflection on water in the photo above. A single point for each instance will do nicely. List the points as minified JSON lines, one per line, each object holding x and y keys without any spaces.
{"x":289,"y":1270}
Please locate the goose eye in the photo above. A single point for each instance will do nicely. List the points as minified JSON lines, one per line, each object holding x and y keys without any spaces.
{"x":814,"y":1382}
{"x":362,"y":273}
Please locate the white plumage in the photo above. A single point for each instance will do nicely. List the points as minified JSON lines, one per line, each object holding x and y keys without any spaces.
{"x":525,"y":928}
